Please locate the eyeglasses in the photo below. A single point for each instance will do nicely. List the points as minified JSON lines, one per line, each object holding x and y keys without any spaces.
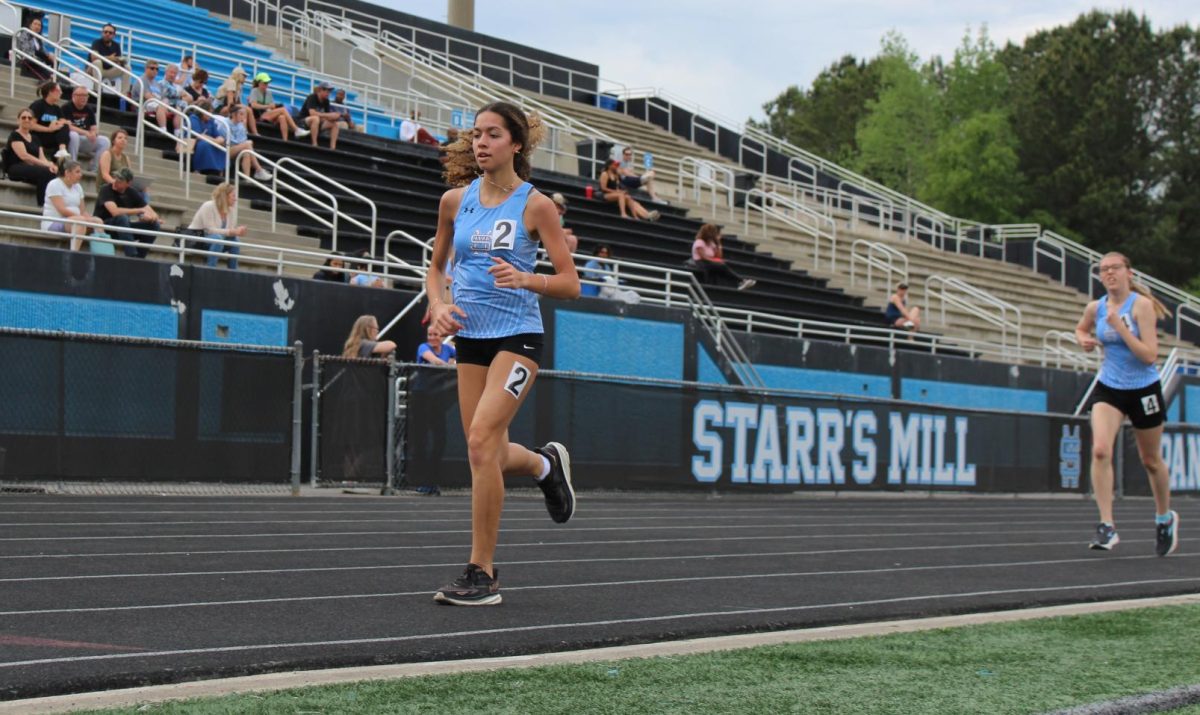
{"x":25,"y":116}
{"x":1111,"y":269}
{"x":109,"y":32}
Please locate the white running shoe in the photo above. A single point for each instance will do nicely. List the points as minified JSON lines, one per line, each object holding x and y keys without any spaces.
{"x":263,"y":175}
{"x":301,"y":133}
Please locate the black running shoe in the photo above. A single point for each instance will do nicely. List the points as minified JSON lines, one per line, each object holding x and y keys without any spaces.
{"x":473,"y":588}
{"x":1166,"y":538}
{"x":560,"y":495}
{"x":1106,"y":538}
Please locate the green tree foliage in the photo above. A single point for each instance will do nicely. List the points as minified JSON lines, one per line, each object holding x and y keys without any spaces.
{"x":824,"y":118}
{"x":900,"y":129}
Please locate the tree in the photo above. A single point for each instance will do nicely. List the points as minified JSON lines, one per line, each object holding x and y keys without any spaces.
{"x":898,"y":134}
{"x":823,"y":119}
{"x":974,"y":170}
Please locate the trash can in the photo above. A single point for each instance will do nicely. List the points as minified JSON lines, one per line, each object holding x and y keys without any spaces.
{"x":592,"y":153}
{"x":742,"y":182}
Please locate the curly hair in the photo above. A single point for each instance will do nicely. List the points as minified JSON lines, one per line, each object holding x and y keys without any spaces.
{"x":526,"y":130}
{"x":709,"y":233}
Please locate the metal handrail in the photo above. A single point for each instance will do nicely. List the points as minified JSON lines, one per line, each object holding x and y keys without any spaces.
{"x":370,"y":229}
{"x":703,"y":173}
{"x":1059,"y":346}
{"x":877,"y":256}
{"x":223,"y":147}
{"x":277,"y":195}
{"x":1002,"y":321}
{"x":768,"y":205}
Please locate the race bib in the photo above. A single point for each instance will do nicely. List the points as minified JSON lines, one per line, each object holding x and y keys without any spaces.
{"x":502,"y":237}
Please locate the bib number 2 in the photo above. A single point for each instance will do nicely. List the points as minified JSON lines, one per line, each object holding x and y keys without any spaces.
{"x":517,"y":379}
{"x":504,"y":234}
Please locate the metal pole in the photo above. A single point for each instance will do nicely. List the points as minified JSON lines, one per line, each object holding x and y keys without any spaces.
{"x":297,"y":416}
{"x":314,"y":447}
{"x":391,"y":442}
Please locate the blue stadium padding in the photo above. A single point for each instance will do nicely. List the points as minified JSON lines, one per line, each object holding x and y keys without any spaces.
{"x":707,"y":369}
{"x":613,"y":345}
{"x":39,"y":311}
{"x":963,"y":394}
{"x":1192,"y":398}
{"x":1173,"y":409}
{"x":381,"y":129}
{"x":220,"y":326}
{"x":98,"y":390}
{"x":838,"y":383}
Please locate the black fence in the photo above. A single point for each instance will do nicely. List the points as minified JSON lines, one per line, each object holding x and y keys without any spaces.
{"x":92,"y":408}
{"x":633,"y":434}
{"x":351,"y":421}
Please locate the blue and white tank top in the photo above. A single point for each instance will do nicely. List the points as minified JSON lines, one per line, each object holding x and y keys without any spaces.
{"x":479,"y":234}
{"x":1121,"y":369}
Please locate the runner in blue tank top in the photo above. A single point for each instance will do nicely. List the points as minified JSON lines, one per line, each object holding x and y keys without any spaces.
{"x":493,"y":222}
{"x":1125,"y":324}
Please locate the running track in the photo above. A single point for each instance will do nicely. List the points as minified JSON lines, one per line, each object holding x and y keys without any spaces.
{"x":99,"y":593}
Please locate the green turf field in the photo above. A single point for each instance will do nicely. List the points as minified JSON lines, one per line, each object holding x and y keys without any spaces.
{"x":1026,"y":667}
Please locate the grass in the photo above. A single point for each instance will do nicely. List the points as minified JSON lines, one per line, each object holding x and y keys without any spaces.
{"x":1025,"y":667}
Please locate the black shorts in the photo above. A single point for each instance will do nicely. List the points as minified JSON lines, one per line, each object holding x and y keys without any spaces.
{"x":1143,"y":406}
{"x":481,"y":351}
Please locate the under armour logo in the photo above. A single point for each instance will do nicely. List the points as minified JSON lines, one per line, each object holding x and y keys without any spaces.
{"x":469,"y":210}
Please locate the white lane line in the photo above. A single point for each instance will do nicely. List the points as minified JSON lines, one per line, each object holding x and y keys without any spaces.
{"x":592,"y":624}
{"x":541,"y":544}
{"x":797,"y":506}
{"x":506,"y":530}
{"x":392,"y":567}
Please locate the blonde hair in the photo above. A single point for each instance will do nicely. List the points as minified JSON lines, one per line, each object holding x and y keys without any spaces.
{"x":234,"y":81}
{"x":358,"y":333}
{"x":220,"y":197}
{"x":1160,"y":310}
{"x":526,"y":130}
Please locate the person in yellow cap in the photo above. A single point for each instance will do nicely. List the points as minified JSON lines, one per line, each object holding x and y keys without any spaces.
{"x":266,"y":109}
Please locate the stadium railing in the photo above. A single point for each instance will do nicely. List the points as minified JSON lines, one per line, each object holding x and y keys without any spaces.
{"x":945,"y":290}
{"x":875,"y":257}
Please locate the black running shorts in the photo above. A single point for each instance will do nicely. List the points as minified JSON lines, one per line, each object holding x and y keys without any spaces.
{"x":481,"y":351}
{"x":1143,"y":406}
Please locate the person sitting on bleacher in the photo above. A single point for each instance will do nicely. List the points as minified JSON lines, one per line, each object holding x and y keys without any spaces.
{"x":631,"y":179}
{"x":206,"y":158}
{"x":48,"y":121}
{"x":318,"y":114}
{"x":24,"y":159}
{"x":560,"y":205}
{"x":212,"y":218}
{"x":240,"y":144}
{"x":612,"y":190}
{"x":187,"y":68}
{"x":86,"y":138}
{"x":602,"y":281}
{"x":105,"y":54}
{"x":266,"y":109}
{"x":175,"y":94}
{"x":339,"y":106}
{"x":119,"y":206}
{"x":64,"y":200}
{"x":333,"y":270}
{"x":897,"y":314}
{"x":43,"y":62}
{"x":113,"y":159}
{"x":709,"y":258}
{"x":229,"y":95}
{"x":154,"y":98}
{"x":198,"y":86}
{"x":412,"y":131}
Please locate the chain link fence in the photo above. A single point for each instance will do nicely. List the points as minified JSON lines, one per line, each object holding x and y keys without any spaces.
{"x":86,"y":413}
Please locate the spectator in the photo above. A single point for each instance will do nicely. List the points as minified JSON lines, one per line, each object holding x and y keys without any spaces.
{"x":85,"y":135}
{"x":213,"y":219}
{"x":113,"y":159}
{"x":631,"y":180}
{"x":612,"y":190}
{"x":187,"y":68}
{"x":333,"y":271}
{"x":412,"y":131}
{"x":560,"y":204}
{"x":364,"y":340}
{"x":709,"y":257}
{"x":153,"y":97}
{"x":318,"y":114}
{"x":339,"y":106}
{"x":240,"y":145}
{"x":609,"y":287}
{"x":435,"y":352}
{"x":106,"y":55}
{"x":207,"y":158}
{"x":363,"y":275}
{"x":24,"y":159}
{"x":229,"y":95}
{"x":53,"y":129}
{"x":64,"y":200}
{"x":119,"y":206}
{"x":40,"y":63}
{"x":198,"y":86}
{"x":898,"y":314}
{"x":451,"y":137}
{"x":266,"y":109}
{"x":175,"y":94}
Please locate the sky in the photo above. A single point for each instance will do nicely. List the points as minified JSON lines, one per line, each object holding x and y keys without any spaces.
{"x":730,"y":58}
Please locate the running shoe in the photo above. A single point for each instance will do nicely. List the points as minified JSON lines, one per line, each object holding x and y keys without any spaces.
{"x":1106,"y":538}
{"x":560,"y":495}
{"x":473,"y":588}
{"x":1166,"y":538}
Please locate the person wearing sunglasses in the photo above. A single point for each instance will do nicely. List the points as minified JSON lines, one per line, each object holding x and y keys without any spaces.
{"x":106,"y":55}
{"x":24,"y":159}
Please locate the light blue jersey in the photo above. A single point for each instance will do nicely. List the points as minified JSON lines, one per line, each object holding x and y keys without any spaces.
{"x":1121,"y":369}
{"x":479,"y":234}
